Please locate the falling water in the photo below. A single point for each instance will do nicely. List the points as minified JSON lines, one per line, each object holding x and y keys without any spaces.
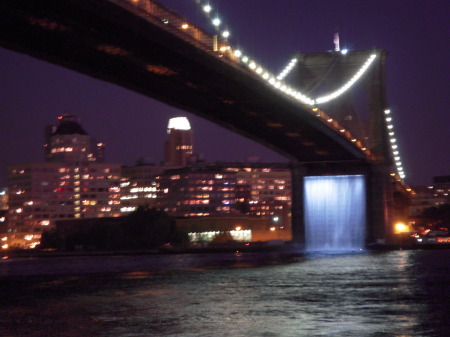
{"x":335,"y":212}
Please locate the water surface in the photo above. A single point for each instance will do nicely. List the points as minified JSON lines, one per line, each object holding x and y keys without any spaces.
{"x":396,"y":293}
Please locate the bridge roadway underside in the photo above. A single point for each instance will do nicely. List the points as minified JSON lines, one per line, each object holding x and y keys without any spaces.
{"x":104,"y":40}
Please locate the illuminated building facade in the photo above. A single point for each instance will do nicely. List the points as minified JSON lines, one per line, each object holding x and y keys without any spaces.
{"x":70,"y":184}
{"x":256,"y":190}
{"x":3,"y":199}
{"x":197,"y":191}
{"x":265,"y":191}
{"x":178,"y":148}
{"x":138,"y":186}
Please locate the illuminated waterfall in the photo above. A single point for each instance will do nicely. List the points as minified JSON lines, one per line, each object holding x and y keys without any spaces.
{"x":335,"y":212}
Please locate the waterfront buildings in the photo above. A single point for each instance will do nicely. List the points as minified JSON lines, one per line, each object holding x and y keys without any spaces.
{"x":259,"y":190}
{"x":433,"y":195}
{"x":73,"y":182}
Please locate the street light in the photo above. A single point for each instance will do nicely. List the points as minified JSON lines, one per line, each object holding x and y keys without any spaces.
{"x":401,"y":228}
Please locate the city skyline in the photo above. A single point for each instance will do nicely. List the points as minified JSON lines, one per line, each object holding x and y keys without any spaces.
{"x":133,"y":126}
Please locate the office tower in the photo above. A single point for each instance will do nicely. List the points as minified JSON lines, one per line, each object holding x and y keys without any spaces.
{"x":178,"y":147}
{"x":67,"y":142}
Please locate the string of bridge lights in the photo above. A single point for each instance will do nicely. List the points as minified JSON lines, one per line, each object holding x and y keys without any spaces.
{"x":394,"y":146}
{"x":277,"y":81}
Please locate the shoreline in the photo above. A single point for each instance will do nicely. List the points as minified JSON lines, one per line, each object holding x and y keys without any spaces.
{"x":216,"y":249}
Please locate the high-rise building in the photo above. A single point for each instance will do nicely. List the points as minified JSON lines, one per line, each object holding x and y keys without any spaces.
{"x":67,"y":142}
{"x":178,"y":148}
{"x":72,"y":183}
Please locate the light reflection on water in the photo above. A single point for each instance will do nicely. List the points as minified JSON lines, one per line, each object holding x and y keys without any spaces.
{"x":397,"y":293}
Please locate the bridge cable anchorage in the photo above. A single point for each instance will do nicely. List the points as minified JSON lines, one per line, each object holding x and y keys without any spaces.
{"x":394,"y":147}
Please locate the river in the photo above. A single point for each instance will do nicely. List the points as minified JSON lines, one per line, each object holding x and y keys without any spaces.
{"x":384,"y":293}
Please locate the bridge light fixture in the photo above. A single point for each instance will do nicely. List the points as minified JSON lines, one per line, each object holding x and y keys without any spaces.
{"x":237,"y":53}
{"x":185,"y":26}
{"x":387,"y":111}
{"x":287,"y":69}
{"x":393,"y":140}
{"x":394,"y":146}
{"x":252,"y":65}
{"x":344,"y":51}
{"x":391,"y":133}
{"x":401,"y":228}
{"x":390,"y":126}
{"x":266,"y":75}
{"x":245,"y":59}
{"x":226,"y":34}
{"x":207,"y":8}
{"x":216,"y":22}
{"x":388,"y":119}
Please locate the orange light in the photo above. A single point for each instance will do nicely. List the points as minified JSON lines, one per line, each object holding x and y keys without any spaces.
{"x":400,"y":227}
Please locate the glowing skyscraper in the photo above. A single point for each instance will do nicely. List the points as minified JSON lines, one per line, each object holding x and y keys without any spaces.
{"x":178,"y":148}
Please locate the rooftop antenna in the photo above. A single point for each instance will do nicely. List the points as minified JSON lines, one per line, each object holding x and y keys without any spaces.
{"x":336,"y":42}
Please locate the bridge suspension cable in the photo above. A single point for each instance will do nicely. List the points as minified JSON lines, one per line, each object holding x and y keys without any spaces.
{"x":394,"y":147}
{"x":275,"y":81}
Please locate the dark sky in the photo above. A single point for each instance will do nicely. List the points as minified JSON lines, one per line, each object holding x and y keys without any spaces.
{"x":414,"y":32}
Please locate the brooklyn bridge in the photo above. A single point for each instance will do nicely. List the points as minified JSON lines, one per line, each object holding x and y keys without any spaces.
{"x":304,"y":113}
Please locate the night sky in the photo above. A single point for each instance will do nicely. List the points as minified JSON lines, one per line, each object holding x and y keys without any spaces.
{"x":414,"y":32}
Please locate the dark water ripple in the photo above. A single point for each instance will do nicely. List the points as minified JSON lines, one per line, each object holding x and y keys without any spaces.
{"x":397,"y":293}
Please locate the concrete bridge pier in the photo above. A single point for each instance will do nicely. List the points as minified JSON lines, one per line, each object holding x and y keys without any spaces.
{"x":298,"y":172}
{"x":380,"y":205}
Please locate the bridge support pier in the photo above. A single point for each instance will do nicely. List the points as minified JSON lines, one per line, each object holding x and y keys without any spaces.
{"x":298,"y":172}
{"x":381,"y":205}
